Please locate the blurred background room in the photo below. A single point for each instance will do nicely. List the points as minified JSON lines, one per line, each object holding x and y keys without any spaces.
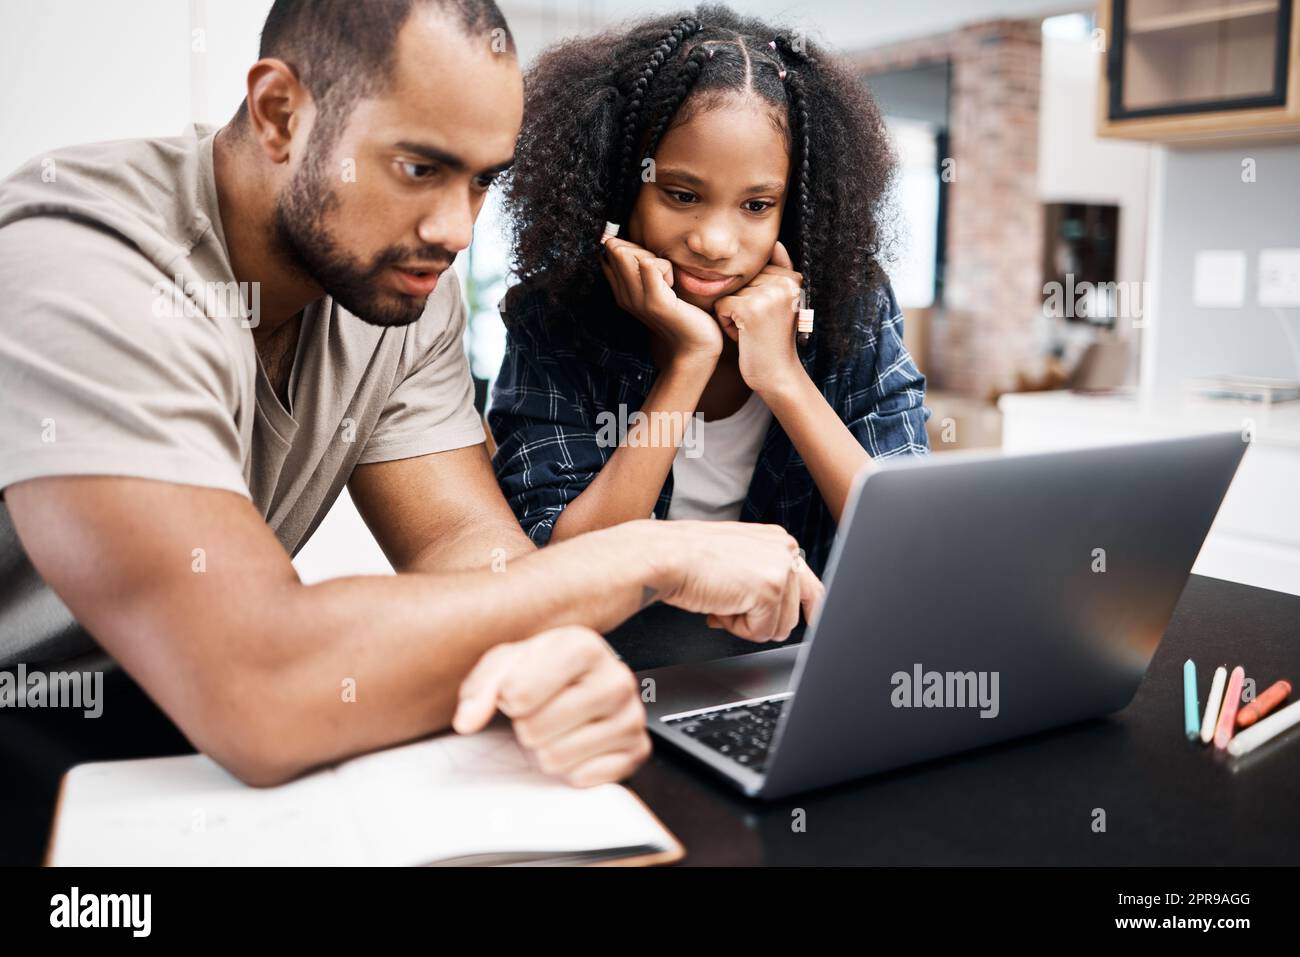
{"x":1096,"y":209}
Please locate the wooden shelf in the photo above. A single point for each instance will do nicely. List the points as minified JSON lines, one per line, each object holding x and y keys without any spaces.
{"x":1170,"y":58}
{"x":1196,"y":18}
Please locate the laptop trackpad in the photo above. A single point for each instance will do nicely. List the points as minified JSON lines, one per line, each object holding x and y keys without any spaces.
{"x":754,"y":675}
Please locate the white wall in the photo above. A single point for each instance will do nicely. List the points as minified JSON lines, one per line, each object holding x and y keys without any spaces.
{"x":846,"y":24}
{"x":1208,"y":204}
{"x":231,"y":31}
{"x":73,"y":71}
{"x":1074,"y":165}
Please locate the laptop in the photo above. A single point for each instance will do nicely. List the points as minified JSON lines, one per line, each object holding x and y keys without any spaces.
{"x":970,"y":598}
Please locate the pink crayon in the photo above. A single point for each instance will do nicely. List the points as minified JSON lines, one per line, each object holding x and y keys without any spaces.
{"x":1231,"y":701}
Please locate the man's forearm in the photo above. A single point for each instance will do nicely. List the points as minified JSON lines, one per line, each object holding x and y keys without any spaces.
{"x":271,"y":677}
{"x":352,"y":664}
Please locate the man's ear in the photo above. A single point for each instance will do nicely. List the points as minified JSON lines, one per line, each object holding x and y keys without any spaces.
{"x":278,"y":104}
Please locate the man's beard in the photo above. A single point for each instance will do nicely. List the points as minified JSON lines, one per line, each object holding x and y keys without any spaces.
{"x":303,"y":238}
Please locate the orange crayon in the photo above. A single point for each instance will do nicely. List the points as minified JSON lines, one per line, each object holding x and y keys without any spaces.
{"x":1265,"y":703}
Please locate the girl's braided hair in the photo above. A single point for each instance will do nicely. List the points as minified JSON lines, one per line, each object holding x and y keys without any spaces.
{"x":597,"y":107}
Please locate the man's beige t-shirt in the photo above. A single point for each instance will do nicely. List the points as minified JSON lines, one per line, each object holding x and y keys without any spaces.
{"x":122,"y":352}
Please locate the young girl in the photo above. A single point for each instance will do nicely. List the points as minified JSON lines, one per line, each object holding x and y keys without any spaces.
{"x":680,"y":191}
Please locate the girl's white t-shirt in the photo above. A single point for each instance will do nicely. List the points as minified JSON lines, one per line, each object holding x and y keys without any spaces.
{"x":711,"y":486}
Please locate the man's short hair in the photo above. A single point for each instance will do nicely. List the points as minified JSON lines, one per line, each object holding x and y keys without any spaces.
{"x":343,"y":50}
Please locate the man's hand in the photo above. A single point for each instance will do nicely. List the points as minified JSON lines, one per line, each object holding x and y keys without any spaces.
{"x":750,"y":579}
{"x":642,"y":285}
{"x":574,"y":705}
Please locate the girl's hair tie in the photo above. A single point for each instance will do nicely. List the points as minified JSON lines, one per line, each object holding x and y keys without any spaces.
{"x":611,"y":230}
{"x":772,"y":44}
{"x":780,"y":74}
{"x":804,"y":325}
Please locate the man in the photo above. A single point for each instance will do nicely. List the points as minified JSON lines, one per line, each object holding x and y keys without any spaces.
{"x":202,"y":339}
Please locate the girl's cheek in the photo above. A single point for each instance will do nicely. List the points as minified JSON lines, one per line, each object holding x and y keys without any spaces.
{"x":651,"y":233}
{"x":641,"y":229}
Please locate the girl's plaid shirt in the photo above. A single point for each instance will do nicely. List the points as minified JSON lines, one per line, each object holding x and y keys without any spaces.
{"x":553,"y":396}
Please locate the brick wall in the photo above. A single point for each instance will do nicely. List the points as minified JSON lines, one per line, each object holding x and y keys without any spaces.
{"x":984,"y":332}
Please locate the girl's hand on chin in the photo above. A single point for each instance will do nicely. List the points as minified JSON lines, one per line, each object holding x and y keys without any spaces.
{"x":643,"y":286}
{"x":761,"y":318}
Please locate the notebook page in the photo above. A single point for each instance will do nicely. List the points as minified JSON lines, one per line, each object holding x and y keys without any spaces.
{"x":190,"y":811}
{"x":435,"y":799}
{"x":453,"y":796}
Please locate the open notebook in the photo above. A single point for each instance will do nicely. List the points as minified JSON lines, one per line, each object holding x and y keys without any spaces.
{"x":443,"y":800}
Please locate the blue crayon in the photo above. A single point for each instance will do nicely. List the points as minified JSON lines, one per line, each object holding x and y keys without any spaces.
{"x":1191,"y":710}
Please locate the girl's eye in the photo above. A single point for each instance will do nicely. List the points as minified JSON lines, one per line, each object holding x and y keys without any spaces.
{"x":419,"y":170}
{"x":681,"y":195}
{"x":762,"y":205}
{"x":483,"y":182}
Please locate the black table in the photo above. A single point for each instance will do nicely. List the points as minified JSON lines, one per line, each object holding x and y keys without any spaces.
{"x":1029,"y":801}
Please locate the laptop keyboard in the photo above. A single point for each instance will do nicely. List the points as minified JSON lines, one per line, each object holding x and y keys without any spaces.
{"x":741,"y":732}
